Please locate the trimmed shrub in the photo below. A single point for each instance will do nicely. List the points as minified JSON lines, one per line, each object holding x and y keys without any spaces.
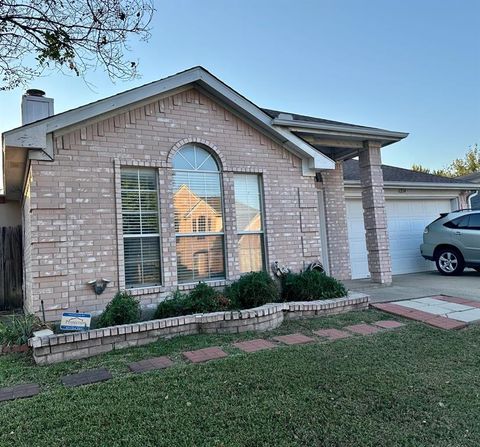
{"x":18,"y":329}
{"x":123,"y":309}
{"x":252,"y":290}
{"x":172,"y":306}
{"x":202,"y":299}
{"x":311,"y":286}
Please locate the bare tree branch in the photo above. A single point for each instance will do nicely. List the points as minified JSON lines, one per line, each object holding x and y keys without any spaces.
{"x":73,"y":35}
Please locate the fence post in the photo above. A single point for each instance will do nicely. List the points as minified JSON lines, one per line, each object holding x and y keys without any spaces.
{"x":11,"y":274}
{"x":2,"y":269}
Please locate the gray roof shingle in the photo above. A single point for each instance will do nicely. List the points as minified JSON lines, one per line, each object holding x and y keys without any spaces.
{"x":351,"y":171}
{"x":312,"y":119}
{"x":474,"y":177}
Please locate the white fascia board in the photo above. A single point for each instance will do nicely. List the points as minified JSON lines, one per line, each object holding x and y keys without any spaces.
{"x":118,"y":101}
{"x":410,"y":194}
{"x":31,"y":137}
{"x":377,"y":133}
{"x":35,"y":139}
{"x":418,"y":185}
{"x":34,"y":135}
{"x":315,"y":159}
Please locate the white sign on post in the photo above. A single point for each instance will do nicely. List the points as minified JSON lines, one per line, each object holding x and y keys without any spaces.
{"x":72,"y":321}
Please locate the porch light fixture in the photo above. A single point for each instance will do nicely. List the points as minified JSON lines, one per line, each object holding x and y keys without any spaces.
{"x":98,"y":285}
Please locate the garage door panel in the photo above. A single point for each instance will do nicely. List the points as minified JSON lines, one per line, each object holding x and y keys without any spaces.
{"x":406,"y":221}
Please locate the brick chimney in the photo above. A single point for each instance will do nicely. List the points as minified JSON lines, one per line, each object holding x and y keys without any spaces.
{"x":35,"y":106}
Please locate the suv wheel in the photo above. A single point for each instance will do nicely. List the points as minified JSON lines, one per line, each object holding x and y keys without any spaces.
{"x":449,"y":262}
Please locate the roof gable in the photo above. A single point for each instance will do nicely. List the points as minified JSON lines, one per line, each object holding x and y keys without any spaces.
{"x":34,"y":135}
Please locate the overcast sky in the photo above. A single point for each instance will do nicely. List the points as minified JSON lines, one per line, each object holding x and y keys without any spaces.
{"x":404,"y":65}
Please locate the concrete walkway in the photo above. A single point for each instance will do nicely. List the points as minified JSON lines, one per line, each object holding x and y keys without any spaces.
{"x":418,"y":285}
{"x":440,"y":311}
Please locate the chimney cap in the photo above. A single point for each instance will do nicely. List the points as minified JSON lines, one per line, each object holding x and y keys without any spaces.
{"x":35,"y":92}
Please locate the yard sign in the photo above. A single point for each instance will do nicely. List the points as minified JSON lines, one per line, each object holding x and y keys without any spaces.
{"x":72,"y":321}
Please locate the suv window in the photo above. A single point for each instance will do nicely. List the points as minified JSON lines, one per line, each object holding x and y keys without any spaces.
{"x":474,"y":222}
{"x":459,"y":222}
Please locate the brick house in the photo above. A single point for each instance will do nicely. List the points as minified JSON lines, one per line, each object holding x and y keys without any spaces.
{"x":183,"y":180}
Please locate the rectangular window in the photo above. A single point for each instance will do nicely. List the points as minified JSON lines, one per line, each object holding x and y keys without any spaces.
{"x":199,"y":226}
{"x":250,"y":231}
{"x":141,"y":238}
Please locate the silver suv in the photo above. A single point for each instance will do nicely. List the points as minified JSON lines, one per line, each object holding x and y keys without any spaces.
{"x":453,"y":242}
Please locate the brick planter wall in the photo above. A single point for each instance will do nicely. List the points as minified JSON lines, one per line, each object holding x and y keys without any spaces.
{"x":60,"y":347}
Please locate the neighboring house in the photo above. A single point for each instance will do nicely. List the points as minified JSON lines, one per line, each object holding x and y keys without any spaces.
{"x":180,"y":180}
{"x":474,"y":199}
{"x":197,"y":212}
{"x":413,"y":200}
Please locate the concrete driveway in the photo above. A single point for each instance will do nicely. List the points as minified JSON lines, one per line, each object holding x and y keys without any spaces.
{"x":417,"y":285}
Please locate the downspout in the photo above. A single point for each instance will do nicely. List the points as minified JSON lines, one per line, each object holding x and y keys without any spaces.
{"x":469,"y":198}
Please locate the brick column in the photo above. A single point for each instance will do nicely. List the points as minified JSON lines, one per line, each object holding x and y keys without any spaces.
{"x":336,"y":222}
{"x":232,"y":259}
{"x":374,"y":214}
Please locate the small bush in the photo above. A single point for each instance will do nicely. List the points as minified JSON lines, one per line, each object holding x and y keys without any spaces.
{"x":202,"y":299}
{"x":123,"y":309}
{"x":252,"y":290}
{"x":311,"y":286}
{"x":18,"y":329}
{"x":173,"y":306}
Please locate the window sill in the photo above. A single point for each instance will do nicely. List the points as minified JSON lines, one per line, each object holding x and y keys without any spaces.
{"x":138,"y":291}
{"x":213,"y":283}
{"x":146,"y":290}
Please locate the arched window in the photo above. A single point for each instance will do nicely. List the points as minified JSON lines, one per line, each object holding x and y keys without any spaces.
{"x":197,"y":199}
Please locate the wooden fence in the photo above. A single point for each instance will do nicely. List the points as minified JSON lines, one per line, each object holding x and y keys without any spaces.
{"x":11,"y":269}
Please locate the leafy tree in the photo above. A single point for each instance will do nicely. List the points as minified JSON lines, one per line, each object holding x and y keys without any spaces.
{"x":420,"y":168}
{"x":460,"y":166}
{"x":470,"y":163}
{"x":69,"y":35}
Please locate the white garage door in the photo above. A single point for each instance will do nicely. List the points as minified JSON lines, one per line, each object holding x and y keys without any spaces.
{"x":406,"y":222}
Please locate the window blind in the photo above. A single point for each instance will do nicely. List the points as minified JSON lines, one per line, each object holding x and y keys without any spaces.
{"x":141,"y":238}
{"x":249,"y":212}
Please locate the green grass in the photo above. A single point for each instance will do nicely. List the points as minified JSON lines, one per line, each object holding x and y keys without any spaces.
{"x":416,"y":386}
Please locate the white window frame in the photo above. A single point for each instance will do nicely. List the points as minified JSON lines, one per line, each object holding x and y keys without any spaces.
{"x":262,"y":217}
{"x":206,"y":233}
{"x":141,"y":235}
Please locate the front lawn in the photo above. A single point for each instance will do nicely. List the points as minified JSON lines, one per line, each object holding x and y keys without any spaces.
{"x":416,"y":386}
